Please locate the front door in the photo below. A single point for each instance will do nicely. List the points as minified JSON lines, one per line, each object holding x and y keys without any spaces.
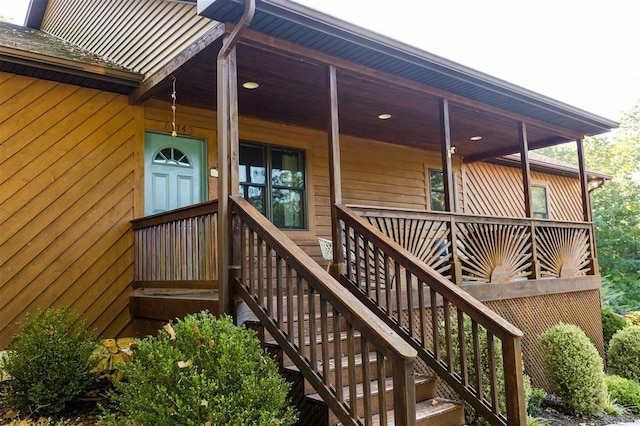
{"x":174,"y":172}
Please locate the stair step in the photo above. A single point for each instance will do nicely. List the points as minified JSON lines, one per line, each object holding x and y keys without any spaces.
{"x":426,"y":388}
{"x":288,"y":364}
{"x":271,"y":341}
{"x":441,"y":413}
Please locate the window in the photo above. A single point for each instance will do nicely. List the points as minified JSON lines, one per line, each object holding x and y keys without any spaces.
{"x":173,"y":157}
{"x":436,"y":190}
{"x":539,"y":203}
{"x":272,"y":179}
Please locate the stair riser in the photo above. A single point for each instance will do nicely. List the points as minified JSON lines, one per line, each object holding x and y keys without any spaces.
{"x":424,"y":390}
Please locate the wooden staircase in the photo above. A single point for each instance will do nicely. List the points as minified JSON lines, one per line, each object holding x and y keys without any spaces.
{"x":430,"y":409}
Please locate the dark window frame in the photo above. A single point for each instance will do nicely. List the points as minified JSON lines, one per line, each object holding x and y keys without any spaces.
{"x":540,"y":214}
{"x":269,"y":186}
{"x":440,"y":193}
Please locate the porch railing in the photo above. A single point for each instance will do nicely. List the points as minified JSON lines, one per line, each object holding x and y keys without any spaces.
{"x":475,"y":351}
{"x":306,"y":310}
{"x":178,"y":245}
{"x":489,"y":249}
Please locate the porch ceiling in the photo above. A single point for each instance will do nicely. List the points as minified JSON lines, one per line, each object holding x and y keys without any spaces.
{"x":293,"y":91}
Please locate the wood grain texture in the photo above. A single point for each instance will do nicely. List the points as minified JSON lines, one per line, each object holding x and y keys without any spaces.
{"x":66,"y":197}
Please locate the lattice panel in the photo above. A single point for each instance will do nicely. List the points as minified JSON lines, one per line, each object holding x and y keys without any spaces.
{"x":534,"y":315}
{"x":494,"y":252}
{"x":563,"y":252}
{"x":425,"y":239}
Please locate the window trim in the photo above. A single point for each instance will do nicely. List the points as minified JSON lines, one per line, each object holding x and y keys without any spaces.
{"x":269,"y":186}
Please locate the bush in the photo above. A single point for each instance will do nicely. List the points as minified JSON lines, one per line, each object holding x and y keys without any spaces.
{"x":624,"y":391}
{"x":534,"y":398}
{"x":201,"y":370}
{"x":611,"y":323}
{"x":633,"y":317}
{"x":49,"y":361}
{"x":574,"y":369}
{"x":624,"y":353}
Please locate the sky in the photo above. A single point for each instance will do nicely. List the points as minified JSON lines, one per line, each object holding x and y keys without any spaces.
{"x":582,"y":52}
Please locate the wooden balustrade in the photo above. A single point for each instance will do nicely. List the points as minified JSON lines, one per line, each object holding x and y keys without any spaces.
{"x":178,"y":245}
{"x":489,"y":249}
{"x":307,"y":312}
{"x":471,"y":348}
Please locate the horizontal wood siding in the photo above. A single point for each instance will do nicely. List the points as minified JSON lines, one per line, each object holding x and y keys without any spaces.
{"x":126,"y":31}
{"x":495,"y":190}
{"x":66,"y":199}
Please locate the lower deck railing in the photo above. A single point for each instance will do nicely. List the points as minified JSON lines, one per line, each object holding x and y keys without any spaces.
{"x":475,"y":351}
{"x":468,"y":248}
{"x":178,"y":245}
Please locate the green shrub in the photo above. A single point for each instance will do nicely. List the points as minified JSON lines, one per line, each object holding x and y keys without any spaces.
{"x":201,"y":370}
{"x":574,"y":369}
{"x":534,"y":398}
{"x":611,"y":323}
{"x":624,"y":391}
{"x":49,"y":361}
{"x":624,"y":353}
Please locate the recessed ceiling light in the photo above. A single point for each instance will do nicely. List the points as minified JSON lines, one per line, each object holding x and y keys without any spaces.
{"x":384,"y":116}
{"x":250,"y":85}
{"x":475,"y":138}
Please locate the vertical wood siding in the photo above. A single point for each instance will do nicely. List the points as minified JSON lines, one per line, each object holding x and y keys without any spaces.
{"x":495,"y":190}
{"x":66,"y":199}
{"x":126,"y":31}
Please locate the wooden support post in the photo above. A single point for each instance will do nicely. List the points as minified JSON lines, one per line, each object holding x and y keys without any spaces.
{"x":526,"y":187}
{"x":587,"y":214}
{"x":447,"y":176}
{"x":234,"y":135}
{"x":224,"y":288}
{"x":335,"y":179}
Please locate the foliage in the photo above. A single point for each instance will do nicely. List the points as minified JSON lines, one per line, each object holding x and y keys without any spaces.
{"x":624,"y":353}
{"x":633,"y":317}
{"x":611,"y":323}
{"x":574,"y":369}
{"x":534,"y":398}
{"x":617,"y":203}
{"x":201,"y":370}
{"x":50,"y":361}
{"x":625,"y":392}
{"x":471,"y":416}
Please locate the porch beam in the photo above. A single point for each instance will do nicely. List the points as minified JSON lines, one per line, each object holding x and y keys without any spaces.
{"x":447,"y":175}
{"x":335,"y":175}
{"x":526,"y":186}
{"x":152,"y":84}
{"x":446,"y":152}
{"x":587,"y":215}
{"x":525,"y":168}
{"x":291,"y":50}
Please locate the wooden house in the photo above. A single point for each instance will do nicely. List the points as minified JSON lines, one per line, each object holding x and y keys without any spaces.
{"x":289,"y":126}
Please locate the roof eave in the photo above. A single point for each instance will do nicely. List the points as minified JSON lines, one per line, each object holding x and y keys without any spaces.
{"x":65,"y":66}
{"x":294,"y":12}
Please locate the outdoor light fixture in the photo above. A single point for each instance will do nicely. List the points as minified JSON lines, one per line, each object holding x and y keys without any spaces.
{"x":475,"y":138}
{"x":384,"y":116}
{"x":595,"y":184}
{"x":250,"y":85}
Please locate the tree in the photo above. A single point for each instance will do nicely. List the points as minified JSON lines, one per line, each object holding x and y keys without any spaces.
{"x":616,"y":206}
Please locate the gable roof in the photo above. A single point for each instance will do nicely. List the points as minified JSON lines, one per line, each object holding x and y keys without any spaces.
{"x":35,"y":53}
{"x":292,"y":22}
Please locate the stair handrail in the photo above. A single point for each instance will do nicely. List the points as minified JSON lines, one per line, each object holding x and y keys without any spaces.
{"x":383,"y":338}
{"x":395,"y":258}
